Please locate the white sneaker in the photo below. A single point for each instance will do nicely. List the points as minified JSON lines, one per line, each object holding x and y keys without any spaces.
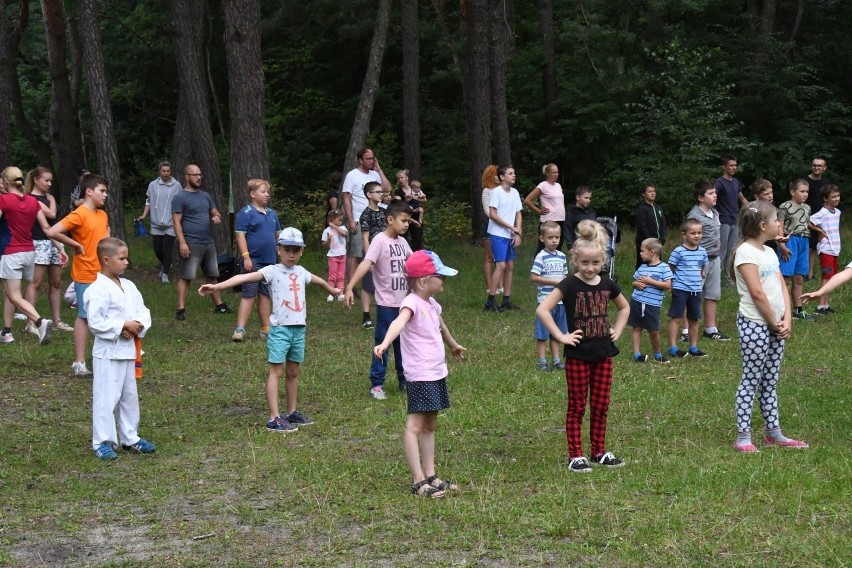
{"x":498,"y":292}
{"x":44,"y":331}
{"x":30,"y":328}
{"x":80,"y":369}
{"x":62,"y":326}
{"x":164,"y":278}
{"x":7,"y":338}
{"x":378,"y":393}
{"x":20,"y":316}
{"x":340,"y":298}
{"x":330,"y":298}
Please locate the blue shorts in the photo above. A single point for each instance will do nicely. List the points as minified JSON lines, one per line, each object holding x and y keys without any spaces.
{"x":502,"y":249}
{"x":79,"y":289}
{"x":644,"y":316}
{"x":683,"y":300}
{"x":558,"y":315}
{"x":251,"y":289}
{"x":798,"y":263}
{"x":286,"y":343}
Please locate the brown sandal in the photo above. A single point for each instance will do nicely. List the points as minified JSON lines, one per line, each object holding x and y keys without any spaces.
{"x":425,"y":489}
{"x":441,"y":484}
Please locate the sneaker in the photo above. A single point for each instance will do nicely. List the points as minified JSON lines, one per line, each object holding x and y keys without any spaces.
{"x":498,"y":292}
{"x":791,"y":443}
{"x":105,"y":452}
{"x":223,"y":309}
{"x":679,"y":353}
{"x":20,"y":316}
{"x":640,"y":358}
{"x":164,"y":278}
{"x":329,"y":298}
{"x":239,"y":334}
{"x":508,"y":306}
{"x":180,"y":315}
{"x":560,"y":366}
{"x":264,"y":335}
{"x":661,"y":359}
{"x":143,"y":446}
{"x":803,"y":315}
{"x":543,"y":367}
{"x":717,"y":336}
{"x":367,"y":324}
{"x":30,"y":328}
{"x":746,"y":448}
{"x":579,"y":465}
{"x":44,"y":331}
{"x":828,"y":310}
{"x":684,"y":337}
{"x":378,"y":393}
{"x":298,"y":419}
{"x":341,"y":297}
{"x":7,"y":338}
{"x":490,"y":307}
{"x":607,"y":460}
{"x":62,"y":326}
{"x":696,"y":353}
{"x":80,"y":370}
{"x":279,"y":424}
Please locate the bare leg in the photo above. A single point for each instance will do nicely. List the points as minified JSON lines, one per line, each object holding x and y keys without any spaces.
{"x":54,"y":293}
{"x":656,"y":343}
{"x":244,"y":311}
{"x":13,"y":292}
{"x":426,"y":441}
{"x":291,"y":386}
{"x":81,"y":334}
{"x":709,"y":313}
{"x":410,"y":441}
{"x":365,"y":301}
{"x":555,"y":348}
{"x":797,"y":290}
{"x":8,"y":312}
{"x":275,"y":372}
{"x":497,"y":278}
{"x":540,"y":348}
{"x":182,"y":288}
{"x":264,"y":310}
{"x":507,"y":277}
{"x":636,"y":339}
{"x":693,"y":332}
{"x":486,"y":264}
{"x":674,"y":327}
{"x":31,"y":294}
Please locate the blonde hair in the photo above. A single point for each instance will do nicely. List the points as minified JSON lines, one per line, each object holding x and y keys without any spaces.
{"x":653,"y":245}
{"x":109,"y":246}
{"x":415,"y":184}
{"x":546,"y":168}
{"x":13,"y":177}
{"x":255,"y":184}
{"x":591,"y":236}
{"x":33,"y":175}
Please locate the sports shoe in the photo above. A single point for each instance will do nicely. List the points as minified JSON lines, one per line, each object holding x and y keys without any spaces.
{"x":239,"y":334}
{"x":264,"y":335}
{"x":223,"y":309}
{"x":341,"y":297}
{"x":491,"y":307}
{"x":508,"y":306}
{"x":298,"y":419}
{"x":678,"y":353}
{"x":579,"y":465}
{"x":560,"y":366}
{"x":821,"y":311}
{"x":684,"y":337}
{"x":498,"y":292}
{"x":105,"y":452}
{"x":80,"y":370}
{"x":543,"y":367}
{"x":717,"y":336}
{"x":180,"y":315}
{"x":607,"y":460}
{"x":828,"y":310}
{"x":164,"y":278}
{"x":746,"y":448}
{"x":696,"y":353}
{"x":143,"y":446}
{"x":7,"y":338}
{"x":62,"y":326}
{"x":279,"y":424}
{"x":30,"y":328}
{"x":791,"y":443}
{"x":20,"y":316}
{"x":329,"y":298}
{"x":661,"y":359}
{"x":378,"y":393}
{"x":640,"y":358}
{"x":803,"y":315}
{"x":367,"y":324}
{"x":44,"y":331}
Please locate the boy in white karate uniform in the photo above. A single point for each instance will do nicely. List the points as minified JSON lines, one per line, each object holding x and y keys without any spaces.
{"x":117,"y":316}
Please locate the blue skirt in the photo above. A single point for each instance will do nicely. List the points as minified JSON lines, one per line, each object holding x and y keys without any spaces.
{"x":427,"y":396}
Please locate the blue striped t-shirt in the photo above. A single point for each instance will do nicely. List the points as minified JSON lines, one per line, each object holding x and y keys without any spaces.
{"x":651,"y":295}
{"x":686,"y":265}
{"x":549,"y":265}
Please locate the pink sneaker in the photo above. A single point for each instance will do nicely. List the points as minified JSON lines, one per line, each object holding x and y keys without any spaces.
{"x":788,"y":444}
{"x":746,"y":448}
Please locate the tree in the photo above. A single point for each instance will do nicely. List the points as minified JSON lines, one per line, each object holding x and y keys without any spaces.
{"x":477,"y":103}
{"x":193,"y":142}
{"x":500,"y":36}
{"x":102,"y":126}
{"x":548,"y":68}
{"x":370,"y":86}
{"x":5,"y":94}
{"x":249,"y":154}
{"x":411,"y":87}
{"x":65,"y":134}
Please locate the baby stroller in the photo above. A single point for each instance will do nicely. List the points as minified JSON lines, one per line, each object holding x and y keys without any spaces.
{"x":611,"y":226}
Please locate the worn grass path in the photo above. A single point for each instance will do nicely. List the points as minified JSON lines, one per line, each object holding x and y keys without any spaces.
{"x":222,"y":491}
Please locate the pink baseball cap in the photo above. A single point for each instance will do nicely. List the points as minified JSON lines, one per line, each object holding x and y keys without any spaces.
{"x":426,"y":263}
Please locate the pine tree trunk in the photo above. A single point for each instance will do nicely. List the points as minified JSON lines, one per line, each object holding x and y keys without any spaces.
{"x":370,"y":86}
{"x":249,"y":153}
{"x":104,"y":133}
{"x":500,"y":36}
{"x":65,"y":134}
{"x":5,"y":95}
{"x":193,"y":143}
{"x":477,"y":99}
{"x":548,"y":70}
{"x":411,"y":87}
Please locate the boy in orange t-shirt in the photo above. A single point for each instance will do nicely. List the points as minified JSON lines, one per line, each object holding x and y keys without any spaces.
{"x":85,"y":227}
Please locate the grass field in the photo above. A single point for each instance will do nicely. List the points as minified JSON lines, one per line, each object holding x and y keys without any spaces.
{"x":223,"y":491}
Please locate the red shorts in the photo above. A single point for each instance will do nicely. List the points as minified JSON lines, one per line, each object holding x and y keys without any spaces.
{"x":828,"y":265}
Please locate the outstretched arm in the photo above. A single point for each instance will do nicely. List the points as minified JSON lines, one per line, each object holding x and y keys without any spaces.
{"x":836,"y":281}
{"x":230,"y":282}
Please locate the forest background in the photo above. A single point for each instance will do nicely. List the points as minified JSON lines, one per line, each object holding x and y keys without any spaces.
{"x":617,"y":93}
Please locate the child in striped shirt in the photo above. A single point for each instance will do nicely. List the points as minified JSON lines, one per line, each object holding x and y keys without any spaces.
{"x":650,"y":281}
{"x":826,"y":223}
{"x":549,"y":268}
{"x":687,"y":262}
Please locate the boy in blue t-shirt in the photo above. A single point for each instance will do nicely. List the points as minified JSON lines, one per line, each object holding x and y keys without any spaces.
{"x":549,"y":268}
{"x":256,"y":229}
{"x":650,"y":281}
{"x":687,"y":262}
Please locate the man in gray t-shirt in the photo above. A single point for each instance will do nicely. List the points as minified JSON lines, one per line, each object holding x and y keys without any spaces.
{"x":192,"y":212}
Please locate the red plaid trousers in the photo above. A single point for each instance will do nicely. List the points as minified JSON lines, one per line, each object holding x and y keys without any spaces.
{"x":590,"y":380}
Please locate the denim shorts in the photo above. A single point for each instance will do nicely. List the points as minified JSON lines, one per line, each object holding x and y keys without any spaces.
{"x":79,"y":290}
{"x":558,"y":315}
{"x":250,"y":290}
{"x":683,"y":300}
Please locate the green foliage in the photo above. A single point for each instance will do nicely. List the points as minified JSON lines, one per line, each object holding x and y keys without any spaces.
{"x":305,"y":211}
{"x":447,"y":221}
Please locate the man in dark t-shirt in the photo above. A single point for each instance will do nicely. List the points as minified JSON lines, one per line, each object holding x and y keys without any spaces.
{"x":815,"y":183}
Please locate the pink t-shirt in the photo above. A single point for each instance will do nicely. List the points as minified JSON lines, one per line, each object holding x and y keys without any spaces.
{"x":552,"y":198}
{"x":20,"y":212}
{"x":388,"y":257}
{"x":423,"y":357}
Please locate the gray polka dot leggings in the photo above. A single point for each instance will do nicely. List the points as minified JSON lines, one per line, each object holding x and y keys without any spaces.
{"x":762,"y":352}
